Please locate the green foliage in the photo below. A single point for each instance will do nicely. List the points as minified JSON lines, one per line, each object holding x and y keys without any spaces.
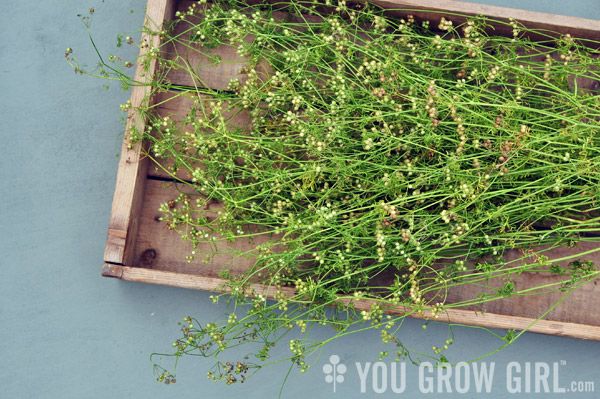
{"x":379,"y":164}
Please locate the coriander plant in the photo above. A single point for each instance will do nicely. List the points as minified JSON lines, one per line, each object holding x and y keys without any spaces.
{"x":381,"y":162}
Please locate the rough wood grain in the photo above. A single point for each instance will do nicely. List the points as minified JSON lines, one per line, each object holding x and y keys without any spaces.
{"x":199,"y":67}
{"x":204,"y":68}
{"x":161,"y":249}
{"x":132,"y":167}
{"x":577,"y":27}
{"x":176,"y":105}
{"x":201,"y":70}
{"x":205,"y":72}
{"x":463,"y":317}
{"x":575,"y":308}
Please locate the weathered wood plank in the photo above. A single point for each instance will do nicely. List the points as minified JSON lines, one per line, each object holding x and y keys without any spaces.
{"x":465,"y":317}
{"x":162,"y":249}
{"x":575,"y":308}
{"x":176,"y":106}
{"x":132,"y":166}
{"x":577,"y":27}
{"x":203,"y":68}
{"x":196,"y":64}
{"x":199,"y":69}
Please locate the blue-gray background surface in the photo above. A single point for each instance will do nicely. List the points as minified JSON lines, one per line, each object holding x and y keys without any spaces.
{"x":65,"y":332}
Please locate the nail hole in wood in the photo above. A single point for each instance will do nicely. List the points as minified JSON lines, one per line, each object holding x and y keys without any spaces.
{"x":148,"y":257}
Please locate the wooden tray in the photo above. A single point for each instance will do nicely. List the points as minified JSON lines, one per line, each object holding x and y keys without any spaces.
{"x":140,"y":248}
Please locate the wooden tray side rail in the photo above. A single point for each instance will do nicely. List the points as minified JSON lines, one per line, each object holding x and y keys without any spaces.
{"x":578,"y":27}
{"x":131,"y":175}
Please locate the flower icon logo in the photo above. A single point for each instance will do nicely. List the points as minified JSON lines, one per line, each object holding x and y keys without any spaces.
{"x":334,"y":371}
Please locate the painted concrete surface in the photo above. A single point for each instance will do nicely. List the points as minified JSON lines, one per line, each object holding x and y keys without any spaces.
{"x":65,"y":332}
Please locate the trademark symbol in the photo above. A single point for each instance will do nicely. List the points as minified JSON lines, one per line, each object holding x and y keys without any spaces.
{"x":563,"y":362}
